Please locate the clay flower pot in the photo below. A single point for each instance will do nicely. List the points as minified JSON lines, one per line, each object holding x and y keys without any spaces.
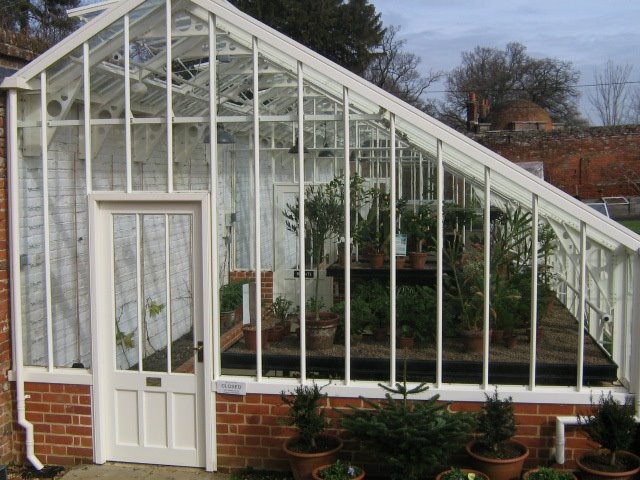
{"x":496,"y":468}
{"x":418,"y":260}
{"x":589,"y":471}
{"x":303,"y":464}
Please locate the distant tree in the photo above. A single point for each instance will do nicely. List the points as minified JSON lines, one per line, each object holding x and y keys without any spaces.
{"x":45,"y":20}
{"x":396,"y":71}
{"x":510,"y":74}
{"x":634,"y":106}
{"x":345,"y":31}
{"x":610,"y":96}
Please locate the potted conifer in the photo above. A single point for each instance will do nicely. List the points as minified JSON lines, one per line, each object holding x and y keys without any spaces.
{"x":613,"y":425}
{"x":496,"y":453}
{"x":310,"y":447}
{"x":412,"y":438}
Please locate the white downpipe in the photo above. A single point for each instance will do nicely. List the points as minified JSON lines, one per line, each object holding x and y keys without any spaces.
{"x":560,"y":440}
{"x":14,"y":252}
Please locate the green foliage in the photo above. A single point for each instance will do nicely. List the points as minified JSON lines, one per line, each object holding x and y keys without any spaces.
{"x":421,"y":225}
{"x":280,"y":308}
{"x":305,"y":413}
{"x":496,"y":421}
{"x":376,"y":295}
{"x":340,"y":471}
{"x":361,"y":315}
{"x":611,"y":424}
{"x":125,"y":339}
{"x":546,"y":473}
{"x":416,"y":311}
{"x":345,"y":31}
{"x":412,"y":437}
{"x":459,"y":474}
{"x":231,"y":295}
{"x":44,"y":20}
{"x":374,"y":232}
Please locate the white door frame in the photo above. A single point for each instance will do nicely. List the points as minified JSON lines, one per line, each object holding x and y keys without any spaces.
{"x":100,"y":308}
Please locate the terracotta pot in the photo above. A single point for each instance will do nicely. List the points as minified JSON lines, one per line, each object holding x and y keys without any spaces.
{"x":525,"y":475}
{"x":418,"y":260}
{"x":316,"y":472}
{"x":303,"y":464}
{"x":473,"y":341}
{"x":400,"y":261}
{"x":479,"y":475}
{"x":227,"y":319}
{"x":589,"y":473}
{"x":276,"y":333}
{"x":380,"y":334}
{"x":499,"y":469}
{"x":321,"y":332}
{"x":250,"y":341}
{"x":497,"y":336}
{"x":376,"y":260}
{"x":510,"y":341}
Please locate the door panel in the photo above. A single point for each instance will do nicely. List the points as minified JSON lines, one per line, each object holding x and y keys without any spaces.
{"x":156,"y":380}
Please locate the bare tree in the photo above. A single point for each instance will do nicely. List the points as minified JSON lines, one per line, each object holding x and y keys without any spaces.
{"x":634,"y":106}
{"x":610,"y":94}
{"x":505,"y":75}
{"x":396,"y":71}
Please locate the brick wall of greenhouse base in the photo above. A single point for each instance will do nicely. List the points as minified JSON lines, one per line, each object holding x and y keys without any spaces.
{"x":266,"y":278}
{"x":251,"y":432}
{"x":61,"y":417}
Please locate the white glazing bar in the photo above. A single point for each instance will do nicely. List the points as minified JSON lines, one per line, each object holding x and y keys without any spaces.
{"x":44,"y":152}
{"x":169,"y":86}
{"x":301,"y":222}
{"x":421,"y":177}
{"x":127,"y":104}
{"x":619,"y":314}
{"x":139,"y":289}
{"x":634,"y":355}
{"x":582,"y":304}
{"x":439,"y":260}
{"x":88,"y":156}
{"x":167,"y":286}
{"x":534,"y":292}
{"x":347,"y":240}
{"x":392,"y":250}
{"x":256,"y":208}
{"x":213,"y":182}
{"x":487,"y":275}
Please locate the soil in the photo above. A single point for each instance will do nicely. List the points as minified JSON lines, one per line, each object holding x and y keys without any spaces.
{"x":557,"y":343}
{"x":505,"y":451}
{"x":16,"y":472}
{"x":601,"y":463}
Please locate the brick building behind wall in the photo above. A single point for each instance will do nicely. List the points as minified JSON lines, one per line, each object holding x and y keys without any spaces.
{"x":586,"y":163}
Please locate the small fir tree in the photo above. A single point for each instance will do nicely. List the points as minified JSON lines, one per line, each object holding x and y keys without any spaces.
{"x":413,"y":438}
{"x":496,"y":421}
{"x":611,"y":424}
{"x":306,"y":415}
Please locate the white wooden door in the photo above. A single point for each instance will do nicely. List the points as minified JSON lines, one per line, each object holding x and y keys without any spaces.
{"x":153,"y":387}
{"x":286,"y":257}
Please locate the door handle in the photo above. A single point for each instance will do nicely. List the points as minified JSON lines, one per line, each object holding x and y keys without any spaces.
{"x":200,"y":350}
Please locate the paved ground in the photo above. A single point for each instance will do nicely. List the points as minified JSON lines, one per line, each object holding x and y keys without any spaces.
{"x":131,"y":471}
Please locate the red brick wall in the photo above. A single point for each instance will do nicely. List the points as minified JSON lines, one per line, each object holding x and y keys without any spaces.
{"x":251,"y":433}
{"x":585,"y":163}
{"x":61,"y":417}
{"x":267,"y":282}
{"x":6,"y":410}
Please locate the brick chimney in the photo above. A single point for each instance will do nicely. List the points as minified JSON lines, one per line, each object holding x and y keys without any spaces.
{"x":472,"y":111}
{"x":484,"y":109}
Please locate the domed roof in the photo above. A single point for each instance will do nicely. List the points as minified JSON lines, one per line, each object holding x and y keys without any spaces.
{"x":504,"y":117}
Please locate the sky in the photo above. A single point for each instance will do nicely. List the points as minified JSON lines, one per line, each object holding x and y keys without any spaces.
{"x":586,"y":32}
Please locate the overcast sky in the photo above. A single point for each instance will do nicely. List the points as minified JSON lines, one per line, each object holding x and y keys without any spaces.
{"x":585,"y":32}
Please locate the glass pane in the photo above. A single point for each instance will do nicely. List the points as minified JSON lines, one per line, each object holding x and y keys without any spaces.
{"x":181,"y":275}
{"x":125,"y":287}
{"x":154,"y":293}
{"x":191,"y":157}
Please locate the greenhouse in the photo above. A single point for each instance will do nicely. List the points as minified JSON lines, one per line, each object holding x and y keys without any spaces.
{"x":182,"y":177}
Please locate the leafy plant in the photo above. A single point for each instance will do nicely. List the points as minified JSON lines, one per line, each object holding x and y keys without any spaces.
{"x":611,"y":424}
{"x":280,"y":308}
{"x":374,"y":232}
{"x":306,"y":415}
{"x":460,"y":474}
{"x":412,"y":438}
{"x":416,"y":311}
{"x":376,"y":295}
{"x":496,"y":421}
{"x":231,"y":295}
{"x":546,"y":473}
{"x":361,"y":314}
{"x":420,"y":224}
{"x":340,"y":471}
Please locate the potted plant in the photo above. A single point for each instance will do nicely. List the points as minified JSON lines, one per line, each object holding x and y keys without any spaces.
{"x":461,"y":474}
{"x":310,"y":447}
{"x":496,"y":453}
{"x":323,"y":222}
{"x":279,"y":310}
{"x":546,"y":473}
{"x":420,"y":225}
{"x":230,"y":302}
{"x":416,"y":314}
{"x":361,"y":317}
{"x":338,"y":471}
{"x":412,"y":438}
{"x":376,"y":296}
{"x":612,"y":425}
